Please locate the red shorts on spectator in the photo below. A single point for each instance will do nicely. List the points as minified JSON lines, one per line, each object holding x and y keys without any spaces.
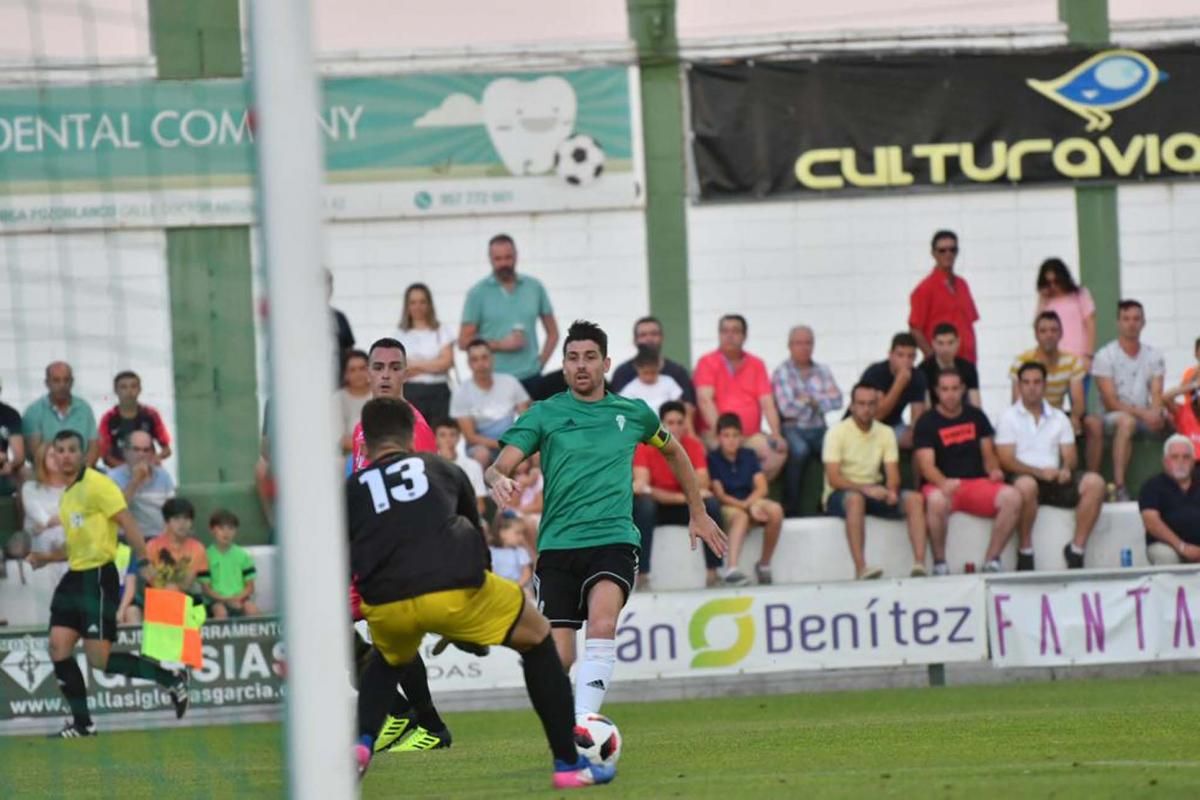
{"x":975,"y":496}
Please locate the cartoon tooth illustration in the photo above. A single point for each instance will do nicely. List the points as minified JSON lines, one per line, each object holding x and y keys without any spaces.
{"x":526,"y":121}
{"x":1105,"y":82}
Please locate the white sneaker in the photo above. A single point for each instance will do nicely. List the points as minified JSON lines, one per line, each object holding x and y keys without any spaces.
{"x":993,"y":566}
{"x":941,"y":568}
{"x":735,"y":578}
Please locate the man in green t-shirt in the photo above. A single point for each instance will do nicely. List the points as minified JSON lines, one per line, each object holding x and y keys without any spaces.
{"x":588,"y":546}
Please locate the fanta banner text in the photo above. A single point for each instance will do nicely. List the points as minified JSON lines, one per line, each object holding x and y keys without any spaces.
{"x":837,"y":124}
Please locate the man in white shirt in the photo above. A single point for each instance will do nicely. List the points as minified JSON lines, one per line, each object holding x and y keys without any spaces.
{"x":651,"y":384}
{"x":486,"y":404}
{"x":1035,"y":443}
{"x":448,"y":436}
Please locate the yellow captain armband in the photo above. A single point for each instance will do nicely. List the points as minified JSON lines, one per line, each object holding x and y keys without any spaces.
{"x":660,"y":439}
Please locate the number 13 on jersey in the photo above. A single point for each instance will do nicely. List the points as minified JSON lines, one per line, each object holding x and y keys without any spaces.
{"x":408,"y":482}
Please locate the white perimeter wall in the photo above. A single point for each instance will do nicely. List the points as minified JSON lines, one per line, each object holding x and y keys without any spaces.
{"x":846,"y":267}
{"x":1160,"y":265}
{"x":593,"y":265}
{"x":98,"y":300}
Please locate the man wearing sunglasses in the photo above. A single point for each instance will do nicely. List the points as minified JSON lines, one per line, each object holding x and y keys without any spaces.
{"x":943,"y":297}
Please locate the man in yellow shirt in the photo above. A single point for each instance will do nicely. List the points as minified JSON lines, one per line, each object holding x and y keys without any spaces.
{"x":85,"y":602}
{"x":862,"y":476}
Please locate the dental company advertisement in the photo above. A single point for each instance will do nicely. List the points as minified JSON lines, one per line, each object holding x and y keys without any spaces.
{"x":182,"y":152}
{"x":866,"y":124}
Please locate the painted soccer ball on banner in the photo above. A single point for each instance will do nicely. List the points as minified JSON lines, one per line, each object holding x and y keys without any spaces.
{"x":579,"y":160}
{"x":606,"y":739}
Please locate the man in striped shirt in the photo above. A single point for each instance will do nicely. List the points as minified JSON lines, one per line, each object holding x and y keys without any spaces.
{"x":804,"y":391}
{"x":1065,"y":375}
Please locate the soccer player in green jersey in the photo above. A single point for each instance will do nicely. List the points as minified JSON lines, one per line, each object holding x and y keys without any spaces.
{"x":588,"y":546}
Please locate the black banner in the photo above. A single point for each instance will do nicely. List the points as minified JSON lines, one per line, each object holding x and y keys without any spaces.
{"x":866,"y":123}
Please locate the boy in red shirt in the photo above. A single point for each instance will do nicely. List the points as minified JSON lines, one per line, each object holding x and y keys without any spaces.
{"x":657,"y":496}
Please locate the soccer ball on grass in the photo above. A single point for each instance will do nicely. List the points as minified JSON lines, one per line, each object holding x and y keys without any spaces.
{"x":606,"y":743}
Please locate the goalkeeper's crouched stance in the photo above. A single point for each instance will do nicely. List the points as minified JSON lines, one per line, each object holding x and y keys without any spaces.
{"x":421,"y":565}
{"x":412,"y":723}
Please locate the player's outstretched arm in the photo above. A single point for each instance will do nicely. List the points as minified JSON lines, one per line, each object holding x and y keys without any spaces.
{"x":701,"y":525}
{"x":499,"y":476}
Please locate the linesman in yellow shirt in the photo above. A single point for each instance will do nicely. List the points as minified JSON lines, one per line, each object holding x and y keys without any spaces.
{"x":84,"y":605}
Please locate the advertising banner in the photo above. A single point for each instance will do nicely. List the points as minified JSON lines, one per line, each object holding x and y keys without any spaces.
{"x":181,"y":152}
{"x":771,"y":629}
{"x":1151,"y":617}
{"x":870,"y":123}
{"x":243,"y":666}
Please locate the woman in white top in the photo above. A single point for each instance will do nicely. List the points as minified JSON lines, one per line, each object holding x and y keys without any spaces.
{"x":40,"y":498}
{"x":354,"y":394}
{"x":430,"y":349}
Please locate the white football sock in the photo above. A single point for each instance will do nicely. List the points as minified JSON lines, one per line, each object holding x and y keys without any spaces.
{"x":594,"y":675}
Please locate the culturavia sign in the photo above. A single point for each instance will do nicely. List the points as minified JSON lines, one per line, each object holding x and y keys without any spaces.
{"x":769,"y":128}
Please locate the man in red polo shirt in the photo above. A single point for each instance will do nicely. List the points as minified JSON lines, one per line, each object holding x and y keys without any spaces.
{"x":943,"y":297}
{"x":731,"y":381}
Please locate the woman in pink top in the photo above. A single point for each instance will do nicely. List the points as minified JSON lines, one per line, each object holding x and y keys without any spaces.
{"x":1058,"y":292}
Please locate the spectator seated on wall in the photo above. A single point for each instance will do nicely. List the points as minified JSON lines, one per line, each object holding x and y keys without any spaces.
{"x":177,"y":559}
{"x":900,"y":385}
{"x":740,"y":485}
{"x":804,"y":392}
{"x":1170,"y":506}
{"x":43,"y":531}
{"x":1129,"y":375}
{"x":229,"y":585}
{"x":145,"y":484}
{"x":127,"y":416}
{"x":658,"y":498}
{"x":956,"y":456}
{"x":862,"y":478}
{"x":1036,"y":447}
{"x":486,"y":404}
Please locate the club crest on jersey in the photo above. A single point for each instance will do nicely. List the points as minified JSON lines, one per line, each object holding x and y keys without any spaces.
{"x":621,"y":421}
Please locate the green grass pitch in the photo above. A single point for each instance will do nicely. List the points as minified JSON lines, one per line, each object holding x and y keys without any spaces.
{"x":1073,"y":739}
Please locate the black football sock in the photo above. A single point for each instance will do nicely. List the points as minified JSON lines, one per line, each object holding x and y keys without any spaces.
{"x":70,"y":681}
{"x":138,"y":667}
{"x":376,"y":687}
{"x":400,"y":705}
{"x":550,"y":692}
{"x":414,"y":682}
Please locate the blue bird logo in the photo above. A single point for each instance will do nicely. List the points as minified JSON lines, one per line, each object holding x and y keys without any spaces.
{"x":1107,"y":81}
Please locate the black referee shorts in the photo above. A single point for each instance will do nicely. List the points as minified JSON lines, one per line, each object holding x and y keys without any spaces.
{"x":86,"y":601}
{"x":563,"y":579}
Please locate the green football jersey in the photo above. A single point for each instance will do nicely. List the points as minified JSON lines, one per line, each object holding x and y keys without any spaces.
{"x":229,"y":571}
{"x":587,"y":465}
